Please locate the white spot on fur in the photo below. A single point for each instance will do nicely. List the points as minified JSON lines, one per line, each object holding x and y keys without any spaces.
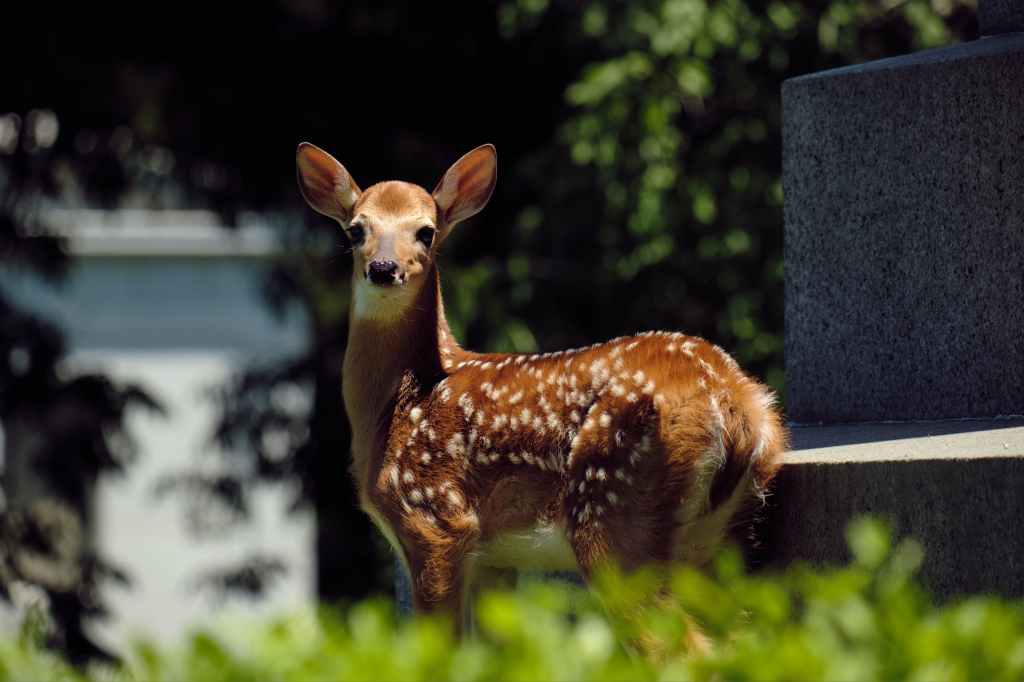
{"x":415,"y":415}
{"x":707,"y":367}
{"x":466,"y":403}
{"x":455,"y":445}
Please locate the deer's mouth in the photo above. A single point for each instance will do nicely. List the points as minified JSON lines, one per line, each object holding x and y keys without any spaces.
{"x":392,"y":283}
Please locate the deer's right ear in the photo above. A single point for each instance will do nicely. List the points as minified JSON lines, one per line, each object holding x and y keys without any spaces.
{"x":325,"y":184}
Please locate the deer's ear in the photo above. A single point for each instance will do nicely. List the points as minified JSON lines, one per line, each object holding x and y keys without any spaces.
{"x":325,"y":184}
{"x":468,"y":184}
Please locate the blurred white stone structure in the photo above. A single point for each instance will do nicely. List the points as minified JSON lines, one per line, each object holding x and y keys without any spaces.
{"x":171,"y":300}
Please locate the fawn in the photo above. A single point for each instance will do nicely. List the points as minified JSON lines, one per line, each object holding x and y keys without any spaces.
{"x":644,"y":449}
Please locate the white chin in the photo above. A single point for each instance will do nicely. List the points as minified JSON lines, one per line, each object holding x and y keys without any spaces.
{"x":373,"y":302}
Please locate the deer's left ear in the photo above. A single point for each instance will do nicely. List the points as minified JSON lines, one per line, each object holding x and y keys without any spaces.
{"x":468,"y":184}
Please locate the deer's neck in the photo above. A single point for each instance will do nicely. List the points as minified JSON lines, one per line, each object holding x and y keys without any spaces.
{"x":382,"y":358}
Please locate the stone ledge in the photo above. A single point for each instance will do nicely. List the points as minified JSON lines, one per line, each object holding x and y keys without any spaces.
{"x":904,"y":441}
{"x":954,"y":485}
{"x":988,"y":47}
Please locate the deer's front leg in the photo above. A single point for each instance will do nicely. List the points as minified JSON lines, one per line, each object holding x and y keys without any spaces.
{"x":437,"y":553}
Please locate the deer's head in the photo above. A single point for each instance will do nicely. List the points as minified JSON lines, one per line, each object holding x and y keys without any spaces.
{"x":394,"y":227}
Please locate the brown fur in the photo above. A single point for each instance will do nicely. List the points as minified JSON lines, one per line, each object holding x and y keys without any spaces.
{"x":642,"y":449}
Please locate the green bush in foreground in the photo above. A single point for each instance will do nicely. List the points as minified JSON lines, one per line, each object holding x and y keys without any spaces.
{"x":866,"y":621}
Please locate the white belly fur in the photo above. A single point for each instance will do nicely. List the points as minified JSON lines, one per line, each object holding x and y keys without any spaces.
{"x":543,"y":547}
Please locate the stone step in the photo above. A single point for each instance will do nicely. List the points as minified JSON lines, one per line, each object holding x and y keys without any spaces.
{"x":956,"y":486}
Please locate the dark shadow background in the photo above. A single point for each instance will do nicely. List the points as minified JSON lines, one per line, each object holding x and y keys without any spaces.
{"x":639,"y":188}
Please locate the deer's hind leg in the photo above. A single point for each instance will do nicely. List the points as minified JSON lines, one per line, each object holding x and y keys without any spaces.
{"x":626,"y":482}
{"x":626,"y":487}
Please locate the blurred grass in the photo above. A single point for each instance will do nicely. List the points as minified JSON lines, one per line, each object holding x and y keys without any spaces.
{"x":868,"y":620}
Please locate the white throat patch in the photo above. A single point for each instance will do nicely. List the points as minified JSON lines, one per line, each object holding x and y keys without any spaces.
{"x":372,"y":302}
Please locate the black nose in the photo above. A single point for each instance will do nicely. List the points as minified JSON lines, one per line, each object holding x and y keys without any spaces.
{"x":383,"y":271}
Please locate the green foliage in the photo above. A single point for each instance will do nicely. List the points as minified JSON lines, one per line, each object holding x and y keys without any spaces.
{"x":666,"y":179}
{"x":869,"y":620}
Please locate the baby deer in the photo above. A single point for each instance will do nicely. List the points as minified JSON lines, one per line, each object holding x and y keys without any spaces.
{"x":644,"y":449}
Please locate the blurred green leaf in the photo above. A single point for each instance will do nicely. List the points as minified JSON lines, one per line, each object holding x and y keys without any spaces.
{"x":866,"y":621}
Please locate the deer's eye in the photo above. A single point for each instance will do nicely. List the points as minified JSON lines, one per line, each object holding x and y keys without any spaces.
{"x":425,"y":235}
{"x":356,"y":234}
